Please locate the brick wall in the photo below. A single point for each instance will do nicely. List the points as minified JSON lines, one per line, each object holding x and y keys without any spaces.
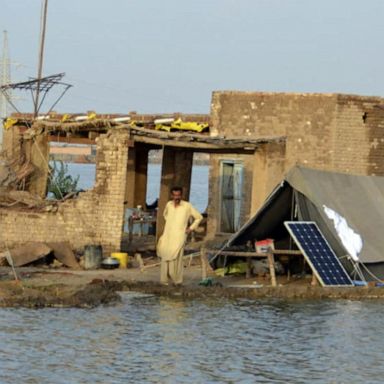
{"x":95,"y":217}
{"x":325,"y":131}
{"x":358,"y":136}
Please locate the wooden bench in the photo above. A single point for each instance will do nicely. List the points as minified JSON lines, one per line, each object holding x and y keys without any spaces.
{"x":270,"y":255}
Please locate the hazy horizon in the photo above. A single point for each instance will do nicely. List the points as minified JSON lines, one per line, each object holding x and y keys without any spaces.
{"x":169,"y":56}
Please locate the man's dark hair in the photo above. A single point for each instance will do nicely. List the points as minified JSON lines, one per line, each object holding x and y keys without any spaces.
{"x":176,"y":188}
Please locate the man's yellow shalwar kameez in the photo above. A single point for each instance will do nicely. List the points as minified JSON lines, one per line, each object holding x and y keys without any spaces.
{"x":170,"y":247}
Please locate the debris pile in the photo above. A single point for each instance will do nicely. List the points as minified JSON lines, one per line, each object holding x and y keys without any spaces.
{"x":13,"y":173}
{"x":34,"y":251}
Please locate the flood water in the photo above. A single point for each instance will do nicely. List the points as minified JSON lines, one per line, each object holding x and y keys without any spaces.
{"x":148,"y":339}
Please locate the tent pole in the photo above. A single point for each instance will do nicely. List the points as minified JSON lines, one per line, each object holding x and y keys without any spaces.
{"x":293,"y":214}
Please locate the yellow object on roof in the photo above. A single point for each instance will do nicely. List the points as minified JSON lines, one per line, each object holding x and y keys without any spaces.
{"x":9,"y":122}
{"x":181,"y":125}
{"x":91,"y":115}
{"x":65,"y":117}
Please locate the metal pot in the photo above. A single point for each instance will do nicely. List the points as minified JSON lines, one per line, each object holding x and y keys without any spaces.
{"x":110,"y":263}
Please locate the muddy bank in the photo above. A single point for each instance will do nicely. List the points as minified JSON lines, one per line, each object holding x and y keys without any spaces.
{"x":99,"y":292}
{"x":284,"y":292}
{"x":81,"y":289}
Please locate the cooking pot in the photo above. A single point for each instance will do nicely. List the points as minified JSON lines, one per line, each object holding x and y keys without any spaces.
{"x":110,"y":263}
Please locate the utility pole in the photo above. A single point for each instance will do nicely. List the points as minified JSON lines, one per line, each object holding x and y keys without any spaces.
{"x":5,"y":78}
{"x":43,"y":23}
{"x":40,"y":86}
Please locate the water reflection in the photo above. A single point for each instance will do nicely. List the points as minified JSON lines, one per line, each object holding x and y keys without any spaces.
{"x":154,"y":340}
{"x":171,"y":316}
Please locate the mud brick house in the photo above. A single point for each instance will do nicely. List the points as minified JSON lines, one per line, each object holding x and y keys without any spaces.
{"x":97,"y":215}
{"x":336,"y":132}
{"x":253,"y":140}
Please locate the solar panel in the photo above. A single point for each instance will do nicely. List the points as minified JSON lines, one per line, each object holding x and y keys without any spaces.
{"x":319,"y":255}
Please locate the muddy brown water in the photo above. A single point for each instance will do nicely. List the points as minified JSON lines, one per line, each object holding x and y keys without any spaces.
{"x":152,"y":339}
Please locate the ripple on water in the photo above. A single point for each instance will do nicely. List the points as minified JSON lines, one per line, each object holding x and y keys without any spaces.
{"x":157,"y":340}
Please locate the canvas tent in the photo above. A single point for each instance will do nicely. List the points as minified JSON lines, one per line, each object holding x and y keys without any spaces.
{"x":310,"y":195}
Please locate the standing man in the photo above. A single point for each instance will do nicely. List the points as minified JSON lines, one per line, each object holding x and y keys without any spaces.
{"x":170,"y":247}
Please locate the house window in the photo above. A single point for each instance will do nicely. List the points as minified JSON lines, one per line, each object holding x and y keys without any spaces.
{"x":231,"y":185}
{"x":72,"y":167}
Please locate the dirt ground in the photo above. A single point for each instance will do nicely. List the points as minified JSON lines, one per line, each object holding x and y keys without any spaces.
{"x":63,"y":287}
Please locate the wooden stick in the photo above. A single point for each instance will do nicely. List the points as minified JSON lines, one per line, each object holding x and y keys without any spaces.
{"x":203,"y":258}
{"x":271,"y":263}
{"x":139,"y":259}
{"x":190,"y":260}
{"x":10,"y":262}
{"x":256,"y":254}
{"x":157,"y":264}
{"x":248,"y":272}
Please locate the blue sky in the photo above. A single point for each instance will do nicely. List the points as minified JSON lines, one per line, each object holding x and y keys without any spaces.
{"x":169,"y":55}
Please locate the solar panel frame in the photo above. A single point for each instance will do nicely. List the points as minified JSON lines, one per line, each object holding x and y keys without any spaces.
{"x":289,"y":224}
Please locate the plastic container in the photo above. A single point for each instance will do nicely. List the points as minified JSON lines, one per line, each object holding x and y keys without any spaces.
{"x":263,"y":246}
{"x":359,"y":283}
{"x":122,"y":257}
{"x":93,"y":255}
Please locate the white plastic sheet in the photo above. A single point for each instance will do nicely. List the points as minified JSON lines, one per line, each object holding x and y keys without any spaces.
{"x":351,"y":240}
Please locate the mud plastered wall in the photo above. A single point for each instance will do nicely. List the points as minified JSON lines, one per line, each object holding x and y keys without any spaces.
{"x":94,"y":217}
{"x":359,"y":135}
{"x":324,"y":131}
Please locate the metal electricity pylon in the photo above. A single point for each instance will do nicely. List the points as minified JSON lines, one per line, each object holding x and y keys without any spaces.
{"x":5,"y":75}
{"x":5,"y":78}
{"x":6,"y":96}
{"x":40,"y":86}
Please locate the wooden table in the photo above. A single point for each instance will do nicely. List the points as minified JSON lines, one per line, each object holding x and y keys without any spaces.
{"x":140,"y":220}
{"x":270,"y":255}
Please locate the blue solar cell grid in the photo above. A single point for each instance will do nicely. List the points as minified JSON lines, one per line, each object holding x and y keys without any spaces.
{"x":318,"y":253}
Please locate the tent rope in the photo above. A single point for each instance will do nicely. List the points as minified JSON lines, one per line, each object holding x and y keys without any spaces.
{"x":372,"y":274}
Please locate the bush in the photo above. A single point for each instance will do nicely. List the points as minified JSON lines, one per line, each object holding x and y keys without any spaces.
{"x":60,"y":183}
